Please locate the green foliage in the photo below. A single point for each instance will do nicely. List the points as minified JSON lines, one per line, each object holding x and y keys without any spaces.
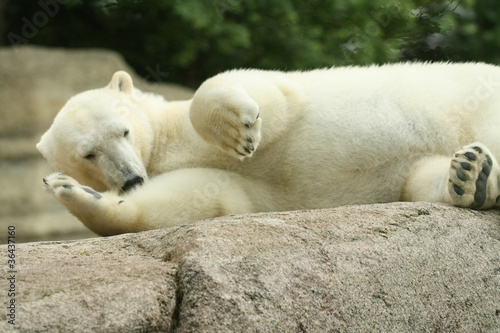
{"x":195,"y":39}
{"x":476,"y":33}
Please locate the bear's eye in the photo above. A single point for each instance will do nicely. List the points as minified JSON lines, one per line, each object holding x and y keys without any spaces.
{"x":90,"y":156}
{"x":125,"y":134}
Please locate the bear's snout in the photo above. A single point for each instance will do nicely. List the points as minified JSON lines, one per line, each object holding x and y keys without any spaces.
{"x":132,"y":182}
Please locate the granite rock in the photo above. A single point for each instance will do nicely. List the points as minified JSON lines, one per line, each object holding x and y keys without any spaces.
{"x":400,"y":267}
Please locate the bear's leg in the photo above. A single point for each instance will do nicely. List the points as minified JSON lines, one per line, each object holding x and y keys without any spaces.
{"x":103,"y":213}
{"x":178,"y":197}
{"x":471,"y":180}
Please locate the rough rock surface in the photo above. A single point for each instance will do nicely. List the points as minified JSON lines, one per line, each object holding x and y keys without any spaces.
{"x":35,"y":82}
{"x":401,"y":267}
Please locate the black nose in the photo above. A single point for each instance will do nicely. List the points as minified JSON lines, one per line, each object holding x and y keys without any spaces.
{"x":131,"y":182}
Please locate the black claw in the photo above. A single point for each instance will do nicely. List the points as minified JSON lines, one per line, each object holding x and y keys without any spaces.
{"x":94,"y":193}
{"x":121,"y":201}
{"x":258,"y":115}
{"x":466,"y":166}
{"x":251,"y":147}
{"x":479,"y":150}
{"x":239,"y":153}
{"x":247,"y":125}
{"x":247,"y":150}
{"x":249,"y":139}
{"x":458,"y":190}
{"x":470,"y":156}
{"x":462,"y":176}
{"x":45,"y":181}
{"x":68,"y":186}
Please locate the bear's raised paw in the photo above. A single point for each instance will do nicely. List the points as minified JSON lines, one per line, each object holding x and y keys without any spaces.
{"x":228,"y":118}
{"x":474,"y":177}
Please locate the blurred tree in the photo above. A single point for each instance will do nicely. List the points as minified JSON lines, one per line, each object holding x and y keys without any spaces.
{"x":195,"y":39}
{"x":475,"y":33}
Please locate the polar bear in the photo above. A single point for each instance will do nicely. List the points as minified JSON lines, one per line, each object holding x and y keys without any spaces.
{"x":256,"y":141}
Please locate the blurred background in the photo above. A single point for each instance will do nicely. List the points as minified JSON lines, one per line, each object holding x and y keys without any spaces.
{"x":53,"y":49}
{"x":195,"y":39}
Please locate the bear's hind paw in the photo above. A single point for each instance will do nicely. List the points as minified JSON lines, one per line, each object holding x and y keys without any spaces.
{"x":473,"y":181}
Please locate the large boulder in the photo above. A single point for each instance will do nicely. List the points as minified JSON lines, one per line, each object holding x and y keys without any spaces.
{"x":401,"y":267}
{"x":35,"y":83}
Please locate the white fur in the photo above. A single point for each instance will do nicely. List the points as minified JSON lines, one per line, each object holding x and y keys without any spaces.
{"x":319,"y":139}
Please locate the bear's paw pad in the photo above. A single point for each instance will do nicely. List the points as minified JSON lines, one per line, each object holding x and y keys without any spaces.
{"x":470,"y":173}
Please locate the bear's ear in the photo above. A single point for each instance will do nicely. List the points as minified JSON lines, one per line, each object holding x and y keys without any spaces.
{"x":122,"y":81}
{"x":41,"y":147}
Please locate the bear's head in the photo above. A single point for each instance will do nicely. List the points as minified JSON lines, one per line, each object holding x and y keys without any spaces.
{"x":102,"y":137}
